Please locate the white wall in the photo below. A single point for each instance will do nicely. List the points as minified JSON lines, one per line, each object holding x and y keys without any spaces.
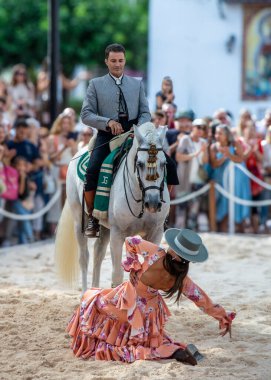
{"x":187,"y":42}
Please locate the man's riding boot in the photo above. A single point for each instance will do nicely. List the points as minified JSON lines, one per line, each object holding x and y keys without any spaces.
{"x":93,"y":225}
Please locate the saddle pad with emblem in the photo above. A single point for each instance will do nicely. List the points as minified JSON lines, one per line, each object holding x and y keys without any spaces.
{"x":106,"y":177}
{"x":105,"y":180}
{"x":101,"y":201}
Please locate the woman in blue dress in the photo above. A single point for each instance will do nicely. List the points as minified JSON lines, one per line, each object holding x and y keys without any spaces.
{"x":224,"y":150}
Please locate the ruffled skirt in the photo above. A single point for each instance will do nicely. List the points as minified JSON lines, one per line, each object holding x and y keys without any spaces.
{"x":118,"y":324}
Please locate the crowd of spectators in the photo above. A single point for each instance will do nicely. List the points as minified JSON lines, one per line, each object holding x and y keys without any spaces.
{"x":202,"y":148}
{"x":34,"y":157}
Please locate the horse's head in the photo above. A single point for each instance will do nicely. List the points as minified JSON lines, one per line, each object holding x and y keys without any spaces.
{"x":150,"y":164}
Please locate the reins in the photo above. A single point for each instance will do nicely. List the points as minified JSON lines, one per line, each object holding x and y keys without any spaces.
{"x":139,"y":216}
{"x":91,"y":150}
{"x":141,"y":186}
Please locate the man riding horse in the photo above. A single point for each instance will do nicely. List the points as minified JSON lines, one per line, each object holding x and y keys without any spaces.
{"x":113,"y":104}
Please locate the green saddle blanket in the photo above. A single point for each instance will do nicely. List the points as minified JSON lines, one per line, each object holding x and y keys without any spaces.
{"x":101,"y":202}
{"x":82,"y":166}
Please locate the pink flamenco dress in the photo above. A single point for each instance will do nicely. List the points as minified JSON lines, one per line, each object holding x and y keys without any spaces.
{"x":127,"y":323}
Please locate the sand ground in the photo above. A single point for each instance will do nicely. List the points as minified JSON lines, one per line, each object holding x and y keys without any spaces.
{"x":35,"y":308}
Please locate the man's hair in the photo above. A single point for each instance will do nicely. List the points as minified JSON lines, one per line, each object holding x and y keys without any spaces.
{"x":20,"y":123}
{"x":116,"y":48}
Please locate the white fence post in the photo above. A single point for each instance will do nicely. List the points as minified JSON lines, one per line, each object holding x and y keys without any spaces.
{"x":231,"y":201}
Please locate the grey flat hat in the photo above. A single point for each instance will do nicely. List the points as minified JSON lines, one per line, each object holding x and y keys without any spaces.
{"x":187,"y":244}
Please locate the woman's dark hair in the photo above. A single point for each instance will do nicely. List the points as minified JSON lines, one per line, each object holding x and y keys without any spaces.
{"x":227,"y":131}
{"x":179,"y":269}
{"x":116,"y":48}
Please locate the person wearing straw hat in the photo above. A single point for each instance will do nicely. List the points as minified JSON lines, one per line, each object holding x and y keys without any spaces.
{"x":127,"y":323}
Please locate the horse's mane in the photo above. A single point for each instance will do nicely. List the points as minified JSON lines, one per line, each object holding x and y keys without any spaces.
{"x":149,"y":132}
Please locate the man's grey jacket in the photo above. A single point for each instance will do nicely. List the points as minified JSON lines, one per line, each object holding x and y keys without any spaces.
{"x":102,"y":101}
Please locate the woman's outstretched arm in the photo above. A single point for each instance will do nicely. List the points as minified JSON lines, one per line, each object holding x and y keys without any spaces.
{"x":201,"y":299}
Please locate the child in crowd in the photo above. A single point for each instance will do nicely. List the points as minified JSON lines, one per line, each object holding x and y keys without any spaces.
{"x":25,"y":202}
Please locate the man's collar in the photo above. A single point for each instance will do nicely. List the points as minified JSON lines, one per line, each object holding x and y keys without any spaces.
{"x":118,"y":81}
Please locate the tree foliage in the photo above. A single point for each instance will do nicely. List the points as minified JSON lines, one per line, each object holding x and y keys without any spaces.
{"x":86,"y":27}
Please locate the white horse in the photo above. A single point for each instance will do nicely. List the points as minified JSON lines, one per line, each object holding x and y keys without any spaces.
{"x":139,"y":203}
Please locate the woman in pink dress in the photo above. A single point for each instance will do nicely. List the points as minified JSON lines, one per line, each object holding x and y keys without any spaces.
{"x":127,"y":323}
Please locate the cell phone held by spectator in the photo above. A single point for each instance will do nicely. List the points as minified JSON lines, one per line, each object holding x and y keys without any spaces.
{"x":72,"y":135}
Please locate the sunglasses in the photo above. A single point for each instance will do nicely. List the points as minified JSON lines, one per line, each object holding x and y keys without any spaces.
{"x":201,"y":127}
{"x":20,"y":73}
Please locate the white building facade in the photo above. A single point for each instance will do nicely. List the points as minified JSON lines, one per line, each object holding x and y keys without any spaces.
{"x":200,"y":45}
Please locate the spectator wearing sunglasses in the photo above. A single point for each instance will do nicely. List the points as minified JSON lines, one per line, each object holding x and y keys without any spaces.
{"x":22,"y":93}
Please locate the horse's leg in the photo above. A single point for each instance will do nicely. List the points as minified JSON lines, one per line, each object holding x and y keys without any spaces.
{"x":116,"y":243}
{"x":99,"y":253}
{"x":155,"y":235}
{"x":84,"y":255}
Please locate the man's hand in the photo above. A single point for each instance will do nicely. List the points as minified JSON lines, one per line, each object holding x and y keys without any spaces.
{"x":225,"y":151}
{"x":203,"y":147}
{"x":115,"y":127}
{"x":11,"y":153}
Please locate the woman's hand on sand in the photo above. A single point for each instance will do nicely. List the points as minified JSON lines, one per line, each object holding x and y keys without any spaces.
{"x":227,"y":330}
{"x":228,"y":327}
{"x":133,"y":277}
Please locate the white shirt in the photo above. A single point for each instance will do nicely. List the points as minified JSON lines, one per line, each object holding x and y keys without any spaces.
{"x":117,"y":80}
{"x":266,"y":153}
{"x":194,"y":178}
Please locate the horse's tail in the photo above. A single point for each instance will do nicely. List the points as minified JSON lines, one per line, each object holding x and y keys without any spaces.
{"x":66,"y":248}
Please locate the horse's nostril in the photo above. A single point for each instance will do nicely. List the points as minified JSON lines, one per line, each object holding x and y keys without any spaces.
{"x":147,"y":204}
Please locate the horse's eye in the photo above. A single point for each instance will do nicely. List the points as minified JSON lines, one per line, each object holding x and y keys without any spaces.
{"x":162,"y":164}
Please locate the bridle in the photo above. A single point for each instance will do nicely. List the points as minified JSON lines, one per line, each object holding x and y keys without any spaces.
{"x":152,"y":175}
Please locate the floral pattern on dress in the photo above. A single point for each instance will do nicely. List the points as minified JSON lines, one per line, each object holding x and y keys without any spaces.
{"x":135,"y":240}
{"x":194,"y":294}
{"x":153,"y":258}
{"x":141,"y":303}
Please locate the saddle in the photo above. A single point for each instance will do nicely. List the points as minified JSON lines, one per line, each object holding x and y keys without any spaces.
{"x":107,"y":175}
{"x":119,"y":148}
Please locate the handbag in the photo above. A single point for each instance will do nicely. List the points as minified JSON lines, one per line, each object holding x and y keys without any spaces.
{"x":10,"y":179}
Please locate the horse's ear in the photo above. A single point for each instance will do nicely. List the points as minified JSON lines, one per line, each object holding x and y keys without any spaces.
{"x":162,"y":134}
{"x":138,"y":135}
